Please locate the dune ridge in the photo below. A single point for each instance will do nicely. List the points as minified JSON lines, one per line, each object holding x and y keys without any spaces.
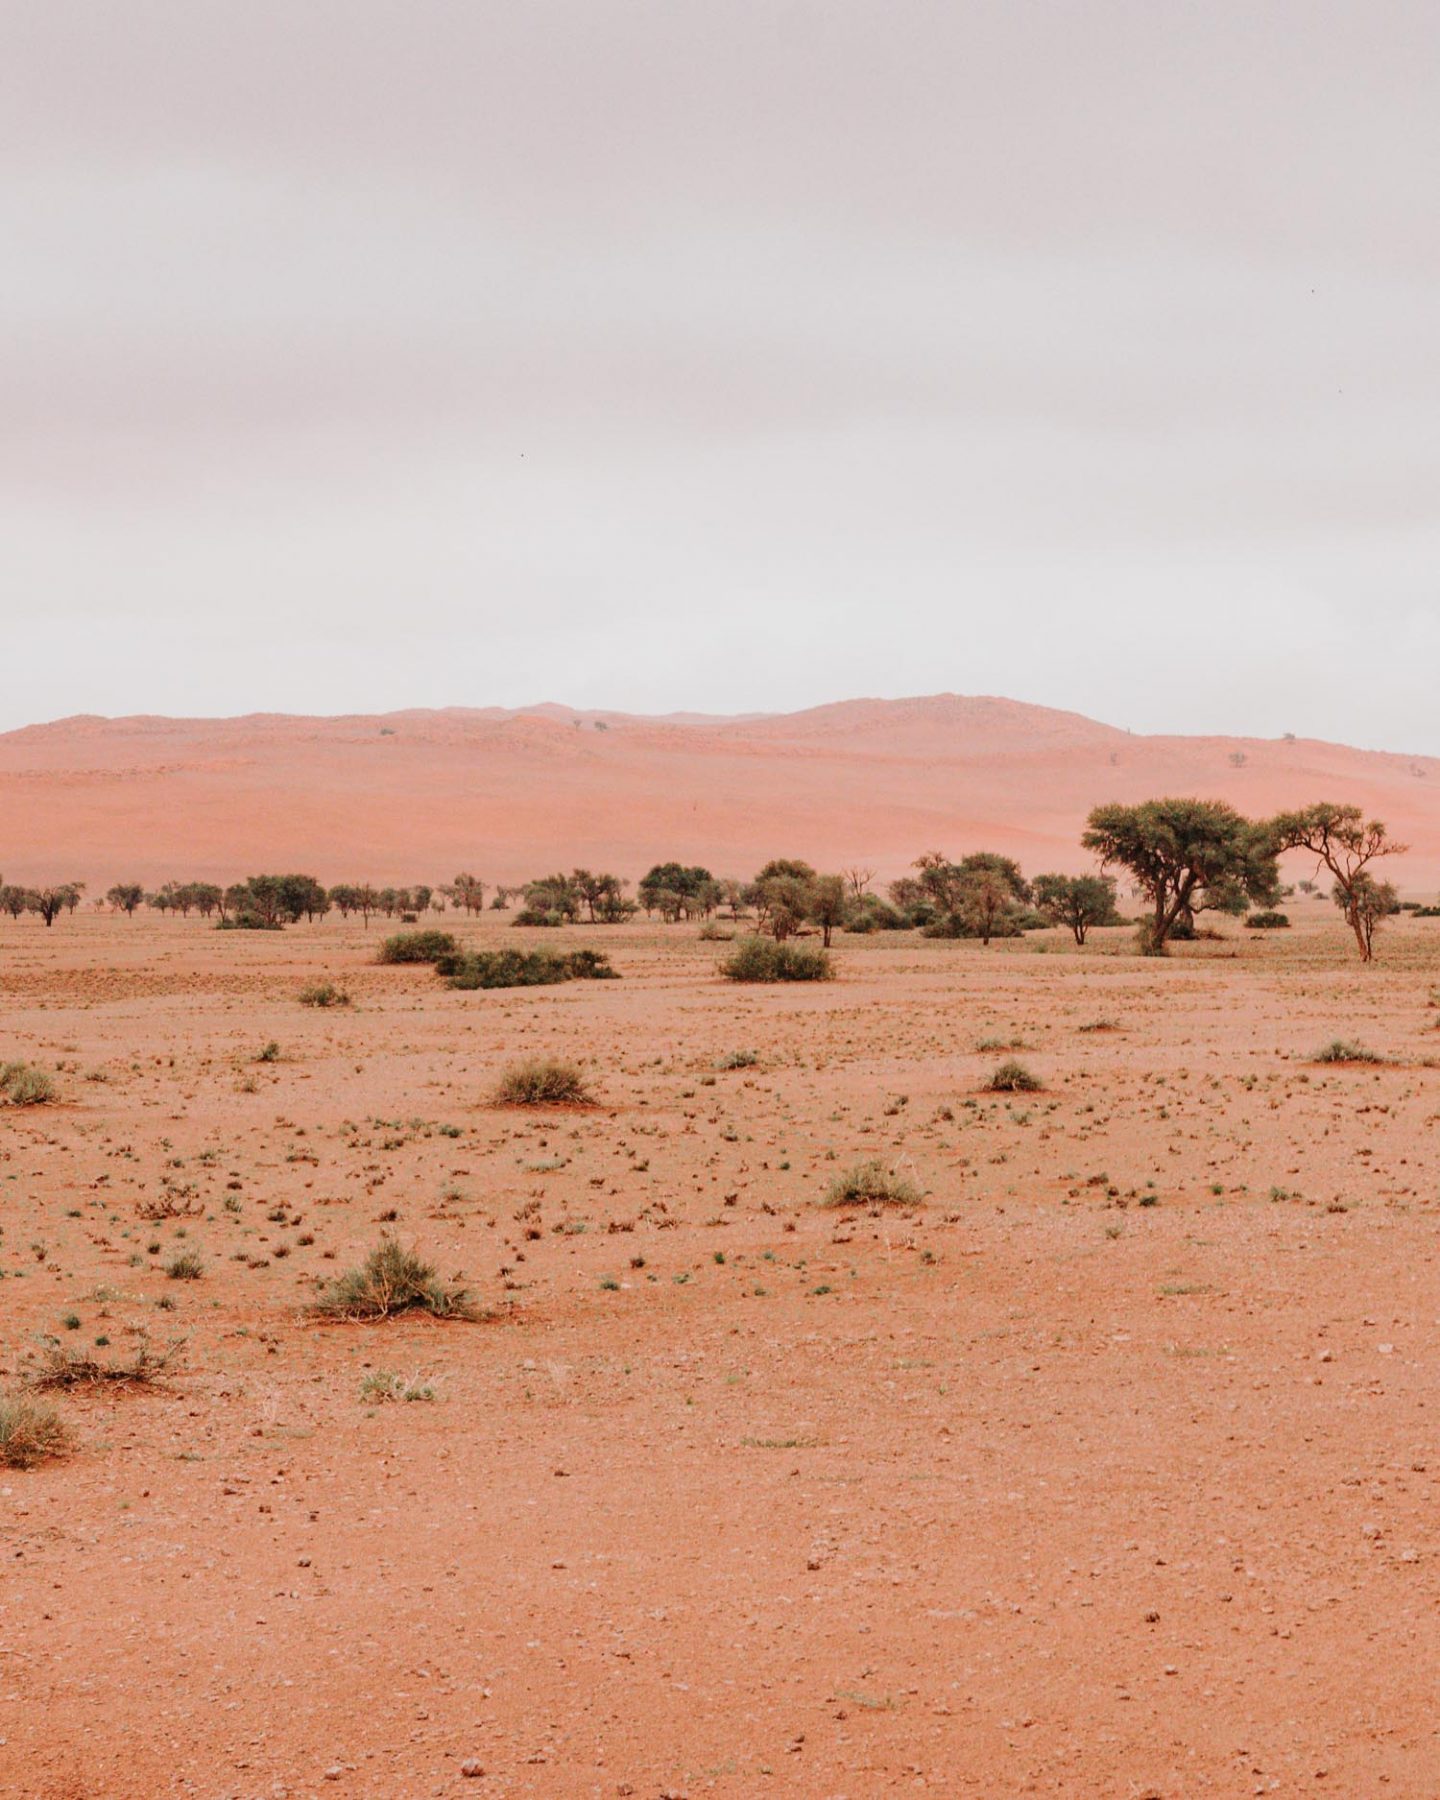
{"x":417,"y":794}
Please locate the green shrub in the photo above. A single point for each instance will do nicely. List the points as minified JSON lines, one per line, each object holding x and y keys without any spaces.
{"x":417,"y":947}
{"x":248,"y":922}
{"x":1268,"y":921}
{"x":393,"y":1280}
{"x":871,"y":1184}
{"x":323,"y":993}
{"x":542,"y":1081}
{"x":1346,"y":1050}
{"x":30,"y":1433}
{"x":762,"y":959}
{"x":1012,"y":1077}
{"x":22,"y":1084}
{"x":523,"y":968}
{"x":536,"y":915}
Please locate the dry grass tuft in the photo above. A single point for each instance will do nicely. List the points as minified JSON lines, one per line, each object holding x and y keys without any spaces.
{"x":393,"y":1280}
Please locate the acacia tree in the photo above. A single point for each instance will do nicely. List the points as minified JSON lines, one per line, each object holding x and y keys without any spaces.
{"x":828,"y":903}
{"x":126,"y":897}
{"x":1186,"y":856}
{"x":49,"y":901}
{"x":1078,"y":901}
{"x":1344,"y":842}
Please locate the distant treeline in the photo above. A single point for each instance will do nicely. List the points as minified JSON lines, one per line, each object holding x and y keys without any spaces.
{"x":1182,"y":857}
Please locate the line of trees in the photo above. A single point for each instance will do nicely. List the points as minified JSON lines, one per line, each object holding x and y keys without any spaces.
{"x":1182,"y":857}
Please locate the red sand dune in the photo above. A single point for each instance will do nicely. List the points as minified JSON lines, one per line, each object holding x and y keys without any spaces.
{"x":413,"y":796}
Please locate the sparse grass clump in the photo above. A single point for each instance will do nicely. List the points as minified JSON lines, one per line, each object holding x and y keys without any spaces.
{"x":62,"y":1368}
{"x":713,"y":932}
{"x":417,"y":947}
{"x":393,"y":1280}
{"x":1012,"y":1077}
{"x":383,"y":1385}
{"x":542,"y":1081}
{"x":871,"y":1183}
{"x":186,"y":1265}
{"x":521,"y":968}
{"x":738,"y":1059}
{"x":763,"y":959}
{"x":1346,"y":1050}
{"x":323,"y":993}
{"x":30,"y":1433}
{"x":22,"y":1084}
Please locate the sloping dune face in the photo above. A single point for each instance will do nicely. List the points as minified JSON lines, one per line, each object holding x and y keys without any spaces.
{"x":415,"y":796}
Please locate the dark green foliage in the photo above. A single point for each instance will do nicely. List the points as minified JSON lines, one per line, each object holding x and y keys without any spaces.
{"x":765,"y":959}
{"x":521,"y":968}
{"x":1186,"y":856}
{"x":534,"y":915}
{"x":1268,"y":921}
{"x":1077,"y":901}
{"x":417,"y":947}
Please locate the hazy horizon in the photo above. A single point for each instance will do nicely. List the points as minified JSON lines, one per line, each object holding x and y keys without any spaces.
{"x":663,"y":358}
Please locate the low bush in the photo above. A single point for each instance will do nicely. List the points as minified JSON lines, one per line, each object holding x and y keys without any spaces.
{"x":536,"y":915}
{"x":762,"y":959}
{"x":417,"y":947}
{"x":871,"y":913}
{"x":22,"y":1084}
{"x":523,"y":968}
{"x":323,"y":993}
{"x":738,"y":1059}
{"x":542,"y":1081}
{"x":62,"y":1368}
{"x":30,"y":1433}
{"x":871,"y":1184}
{"x":393,"y":1280}
{"x":248,"y":922}
{"x":713,"y":932}
{"x":1268,"y":921}
{"x":1012,"y":1077}
{"x":187,"y":1265}
{"x":1346,"y":1050}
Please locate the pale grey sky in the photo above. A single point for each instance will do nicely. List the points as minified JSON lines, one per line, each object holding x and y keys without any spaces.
{"x":723,"y":354}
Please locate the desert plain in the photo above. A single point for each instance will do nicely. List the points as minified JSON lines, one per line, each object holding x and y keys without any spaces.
{"x":1110,"y":1467}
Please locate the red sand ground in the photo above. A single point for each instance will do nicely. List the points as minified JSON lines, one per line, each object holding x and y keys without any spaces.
{"x":1031,"y":1489}
{"x":416,"y":796}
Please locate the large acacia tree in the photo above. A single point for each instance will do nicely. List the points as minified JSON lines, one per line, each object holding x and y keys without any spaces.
{"x":1186,"y":856}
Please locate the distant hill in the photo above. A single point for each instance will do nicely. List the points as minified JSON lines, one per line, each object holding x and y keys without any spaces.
{"x":412,"y":796}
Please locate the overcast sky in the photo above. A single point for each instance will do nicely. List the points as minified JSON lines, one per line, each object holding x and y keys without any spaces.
{"x":723,"y":354}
